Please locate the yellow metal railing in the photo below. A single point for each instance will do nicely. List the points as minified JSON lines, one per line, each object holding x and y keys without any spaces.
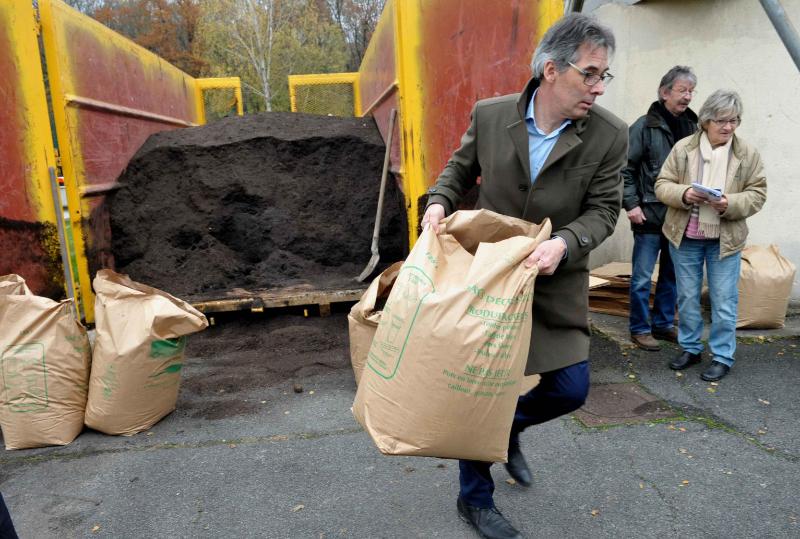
{"x":218,"y":83}
{"x":325,"y":93}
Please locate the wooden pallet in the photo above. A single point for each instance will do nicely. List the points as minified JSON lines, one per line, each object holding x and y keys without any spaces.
{"x":240,"y":299}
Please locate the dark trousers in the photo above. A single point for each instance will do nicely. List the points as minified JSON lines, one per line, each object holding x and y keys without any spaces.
{"x":560,"y":392}
{"x":6,"y":526}
{"x":647,"y":249}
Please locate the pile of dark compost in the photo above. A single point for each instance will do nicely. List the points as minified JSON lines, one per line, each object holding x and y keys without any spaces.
{"x":261,"y":201}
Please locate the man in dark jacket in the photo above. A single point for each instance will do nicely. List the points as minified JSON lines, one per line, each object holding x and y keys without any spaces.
{"x":548,"y":152}
{"x":651,"y":138}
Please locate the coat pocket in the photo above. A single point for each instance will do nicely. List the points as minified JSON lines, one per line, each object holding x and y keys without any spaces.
{"x":581,"y":173}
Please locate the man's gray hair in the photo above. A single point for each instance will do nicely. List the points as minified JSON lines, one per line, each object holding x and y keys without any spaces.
{"x":720,"y":104}
{"x":562,"y":41}
{"x":674,"y":74}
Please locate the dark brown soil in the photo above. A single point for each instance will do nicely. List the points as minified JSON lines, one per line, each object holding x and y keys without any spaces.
{"x":31,"y":250}
{"x":259,"y":201}
{"x":246,"y":352}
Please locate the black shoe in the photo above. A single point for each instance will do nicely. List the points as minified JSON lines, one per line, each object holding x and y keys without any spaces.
{"x":715,"y":372}
{"x":685,"y":359}
{"x":488,"y":522}
{"x":517,"y":467}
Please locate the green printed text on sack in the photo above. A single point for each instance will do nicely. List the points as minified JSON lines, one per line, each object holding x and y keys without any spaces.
{"x":167,"y":347}
{"x":483,"y":372}
{"x":498,"y":300}
{"x":496,"y":315}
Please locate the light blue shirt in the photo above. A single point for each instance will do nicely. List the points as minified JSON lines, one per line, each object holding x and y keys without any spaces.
{"x":539,"y":144}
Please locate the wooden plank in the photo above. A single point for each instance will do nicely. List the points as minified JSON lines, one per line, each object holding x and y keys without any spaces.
{"x":240,"y":299}
{"x":225,"y":305}
{"x":289,"y":297}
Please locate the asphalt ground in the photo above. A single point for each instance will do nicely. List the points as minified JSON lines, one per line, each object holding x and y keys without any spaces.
{"x":724,"y":463}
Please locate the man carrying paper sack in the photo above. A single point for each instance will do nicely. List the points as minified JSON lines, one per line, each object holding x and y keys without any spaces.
{"x":546,"y":153}
{"x":448,"y":355}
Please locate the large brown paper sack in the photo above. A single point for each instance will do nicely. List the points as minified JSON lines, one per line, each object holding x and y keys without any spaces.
{"x":44,"y":368}
{"x":363,"y":318}
{"x":447,"y":361}
{"x":138,"y":354}
{"x":765,"y":284}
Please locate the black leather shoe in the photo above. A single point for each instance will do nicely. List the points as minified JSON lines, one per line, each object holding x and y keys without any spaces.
{"x":517,"y":467}
{"x":488,"y":522}
{"x":716,"y":371}
{"x":685,"y":359}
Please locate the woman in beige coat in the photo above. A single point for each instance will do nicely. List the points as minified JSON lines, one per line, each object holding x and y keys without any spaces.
{"x":708,"y":229}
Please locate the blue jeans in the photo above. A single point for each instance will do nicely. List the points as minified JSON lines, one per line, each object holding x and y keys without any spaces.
{"x":647,"y":248}
{"x":559,"y":392}
{"x":723,"y":278}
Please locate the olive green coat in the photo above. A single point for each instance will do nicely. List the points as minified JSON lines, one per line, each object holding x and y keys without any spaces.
{"x":579,"y":188}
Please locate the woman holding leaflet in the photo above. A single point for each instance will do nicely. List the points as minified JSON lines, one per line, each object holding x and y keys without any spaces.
{"x":704,"y":230}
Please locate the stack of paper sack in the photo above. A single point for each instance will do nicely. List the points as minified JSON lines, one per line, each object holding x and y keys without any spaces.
{"x":609,"y":288}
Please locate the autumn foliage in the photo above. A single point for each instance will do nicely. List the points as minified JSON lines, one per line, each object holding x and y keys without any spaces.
{"x":260,"y":41}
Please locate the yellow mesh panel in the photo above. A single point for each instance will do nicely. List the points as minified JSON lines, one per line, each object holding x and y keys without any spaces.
{"x":333,"y":99}
{"x":333,"y":94}
{"x":219,"y":103}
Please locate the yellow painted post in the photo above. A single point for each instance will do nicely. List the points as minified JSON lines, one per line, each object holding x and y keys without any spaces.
{"x":200,"y":103}
{"x":407,"y":45}
{"x":19,"y":20}
{"x":292,"y":95}
{"x":239,"y":100}
{"x":40,"y":153}
{"x":549,"y":12}
{"x":358,"y":111}
{"x":70,"y":167}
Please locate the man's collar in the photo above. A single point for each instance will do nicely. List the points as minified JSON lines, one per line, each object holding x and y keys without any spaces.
{"x":525,"y":97}
{"x":654,"y":119}
{"x":532,"y":117}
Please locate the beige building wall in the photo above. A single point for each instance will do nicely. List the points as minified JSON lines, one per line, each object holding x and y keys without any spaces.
{"x":729,"y":44}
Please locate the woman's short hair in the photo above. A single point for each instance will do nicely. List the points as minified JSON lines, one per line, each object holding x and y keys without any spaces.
{"x":562,"y":41}
{"x":674,"y":74}
{"x":720,"y":104}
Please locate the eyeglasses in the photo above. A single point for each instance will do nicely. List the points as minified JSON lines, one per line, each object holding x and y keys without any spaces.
{"x":722,"y":123}
{"x":678,"y":91}
{"x":590,"y":79}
